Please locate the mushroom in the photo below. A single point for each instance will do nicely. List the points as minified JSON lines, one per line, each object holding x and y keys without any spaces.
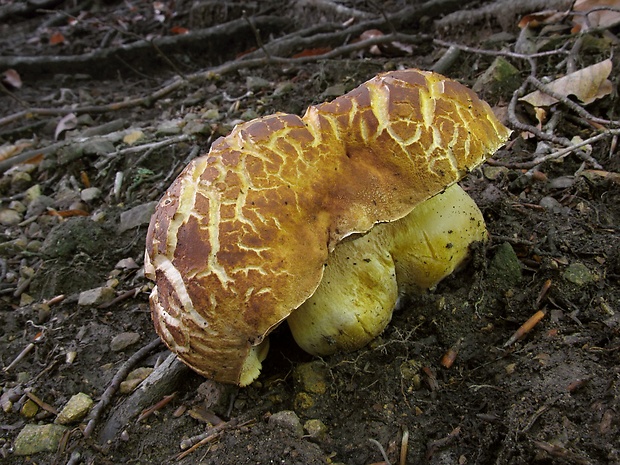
{"x":322,"y":220}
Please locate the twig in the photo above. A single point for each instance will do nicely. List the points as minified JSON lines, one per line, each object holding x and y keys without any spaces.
{"x":153,"y":145}
{"x":525,"y":327}
{"x":19,"y":357}
{"x":404,"y":444}
{"x":559,"y":153}
{"x":122,"y":373}
{"x":256,"y":33}
{"x":381,"y":449}
{"x":569,"y":103}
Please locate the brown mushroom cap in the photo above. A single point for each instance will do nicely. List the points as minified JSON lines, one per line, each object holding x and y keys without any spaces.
{"x":240,"y":238}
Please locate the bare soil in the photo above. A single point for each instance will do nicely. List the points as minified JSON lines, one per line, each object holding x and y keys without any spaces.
{"x":553,"y":396}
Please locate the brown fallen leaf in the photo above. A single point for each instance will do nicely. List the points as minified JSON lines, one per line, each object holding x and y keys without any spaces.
{"x":12,"y":79}
{"x":10,"y":150}
{"x":57,"y":38}
{"x":541,"y":18}
{"x":595,"y":19}
{"x":587,"y":84}
{"x":66,"y":123}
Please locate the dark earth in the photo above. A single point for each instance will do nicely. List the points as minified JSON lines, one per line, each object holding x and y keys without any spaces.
{"x":136,"y":73}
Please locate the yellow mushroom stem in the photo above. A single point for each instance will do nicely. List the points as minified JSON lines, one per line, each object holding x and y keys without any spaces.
{"x":364,"y":276}
{"x":253,"y":363}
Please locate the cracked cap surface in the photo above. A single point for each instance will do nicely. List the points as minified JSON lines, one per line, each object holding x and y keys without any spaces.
{"x":240,"y":238}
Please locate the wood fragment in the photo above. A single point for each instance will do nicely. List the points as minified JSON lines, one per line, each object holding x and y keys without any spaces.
{"x":525,"y":328}
{"x":158,"y":406}
{"x":122,"y":373}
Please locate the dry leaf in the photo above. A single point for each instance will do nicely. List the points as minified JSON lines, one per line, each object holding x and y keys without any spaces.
{"x":12,"y":78}
{"x":66,"y":123}
{"x":133,"y":137}
{"x":57,"y":38}
{"x":599,"y":18}
{"x":178,"y":30}
{"x":10,"y":150}
{"x":541,"y":17}
{"x":587,"y":84}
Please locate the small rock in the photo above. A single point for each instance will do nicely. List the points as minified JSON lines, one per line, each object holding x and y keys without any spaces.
{"x":562,"y":182}
{"x":34,"y":246}
{"x":215,"y":394}
{"x":283,"y":88}
{"x":315,"y":428}
{"x":126,"y":264}
{"x":494,"y":172}
{"x":74,"y":235}
{"x":551,"y":204}
{"x":123,"y":340}
{"x":32,"y":193}
{"x":25,"y":299}
{"x":98,"y":147}
{"x":29,"y":409}
{"x":96,"y":296}
{"x":288,"y":420}
{"x":169,"y":128}
{"x":505,"y":268}
{"x":17,"y":206}
{"x":334,"y":91}
{"x":303,"y":401}
{"x":74,"y":410}
{"x":9,"y":217}
{"x":39,"y":205}
{"x":38,"y":438}
{"x":255,"y":83}
{"x":579,"y":274}
{"x":20,"y":180}
{"x":311,"y":377}
{"x":90,"y":193}
{"x":134,"y":379}
{"x":196,"y":127}
{"x":137,"y":216}
{"x":133,"y":137}
{"x":210,"y":114}
{"x":249,"y":114}
{"x":13,"y":247}
{"x":501,"y":77}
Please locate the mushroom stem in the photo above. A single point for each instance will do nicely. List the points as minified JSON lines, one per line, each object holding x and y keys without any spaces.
{"x":364,"y":276}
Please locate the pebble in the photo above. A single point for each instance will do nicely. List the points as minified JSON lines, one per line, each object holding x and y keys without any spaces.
{"x":17,"y":206}
{"x":29,"y":409}
{"x":38,"y":438}
{"x":169,"y":128}
{"x":20,"y":181}
{"x":9,"y":217}
{"x":133,"y":137}
{"x":123,"y":340}
{"x":505,"y":267}
{"x":90,"y":193}
{"x":136,"y":216}
{"x":315,"y":428}
{"x":98,"y":147}
{"x":254,"y":83}
{"x":311,"y":377}
{"x":499,"y":77}
{"x":287,"y":420}
{"x":32,"y":193}
{"x":96,"y":296}
{"x":75,"y":409}
{"x":579,"y":274}
{"x":134,"y":378}
{"x":39,"y":205}
{"x":552,"y":205}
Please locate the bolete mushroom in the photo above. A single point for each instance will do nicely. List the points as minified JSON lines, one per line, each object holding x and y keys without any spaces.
{"x":322,"y":220}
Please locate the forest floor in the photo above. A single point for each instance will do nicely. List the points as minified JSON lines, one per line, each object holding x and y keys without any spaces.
{"x":103,"y":103}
